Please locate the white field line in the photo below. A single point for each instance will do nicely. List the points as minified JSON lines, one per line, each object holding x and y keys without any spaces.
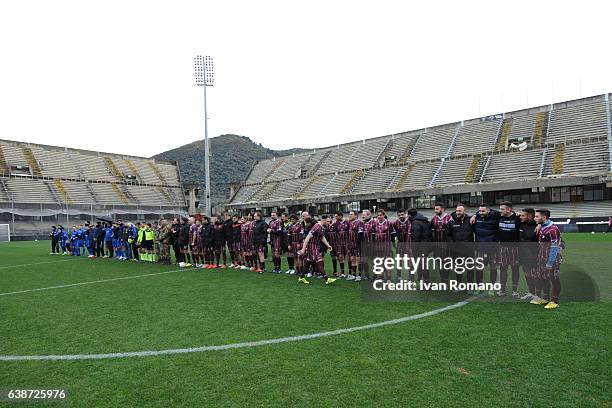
{"x":236,"y":345}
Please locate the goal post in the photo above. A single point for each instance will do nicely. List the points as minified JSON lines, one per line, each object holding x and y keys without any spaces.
{"x":5,"y":233}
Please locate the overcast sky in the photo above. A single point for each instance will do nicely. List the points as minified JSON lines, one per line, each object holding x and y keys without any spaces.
{"x":117,"y":76}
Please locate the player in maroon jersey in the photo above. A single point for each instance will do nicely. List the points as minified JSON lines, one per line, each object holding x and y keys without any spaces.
{"x":438,"y":228}
{"x":194,"y":242}
{"x":366,"y":242}
{"x":383,"y":236}
{"x":403,"y":234}
{"x":549,"y":260}
{"x":275,"y":229}
{"x":311,"y":251}
{"x":246,"y":242}
{"x":295,"y":238}
{"x":353,"y":243}
{"x":337,"y":233}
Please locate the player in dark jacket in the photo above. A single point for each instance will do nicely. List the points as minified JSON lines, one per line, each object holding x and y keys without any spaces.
{"x":460,"y":234}
{"x":206,"y":239}
{"x":486,"y":225}
{"x":421,"y":239}
{"x":260,"y":241}
{"x":227,"y":244}
{"x":219,"y":241}
{"x":54,"y":234}
{"x":236,"y":231}
{"x":508,"y":234}
{"x":528,"y":251}
{"x":183,"y":239}
{"x":175,"y":228}
{"x":100,"y":240}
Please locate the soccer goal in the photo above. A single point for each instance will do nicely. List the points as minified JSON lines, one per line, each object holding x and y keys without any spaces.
{"x":5,"y":233}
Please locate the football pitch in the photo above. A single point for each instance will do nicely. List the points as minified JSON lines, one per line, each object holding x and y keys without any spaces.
{"x":115,"y":333}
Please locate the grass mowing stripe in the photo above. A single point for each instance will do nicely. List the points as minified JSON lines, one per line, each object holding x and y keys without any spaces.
{"x":36,"y":263}
{"x":92,"y":282}
{"x":239,"y":345}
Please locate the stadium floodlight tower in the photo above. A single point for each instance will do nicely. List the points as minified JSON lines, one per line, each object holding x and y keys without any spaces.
{"x":204,"y":76}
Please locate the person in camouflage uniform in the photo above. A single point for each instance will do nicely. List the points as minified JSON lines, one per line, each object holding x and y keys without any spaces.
{"x":156,"y":242}
{"x":164,"y":237}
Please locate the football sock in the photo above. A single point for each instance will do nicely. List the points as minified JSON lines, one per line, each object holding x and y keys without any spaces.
{"x":503,"y":277}
{"x":493,"y":275}
{"x":546,"y":289}
{"x":515,"y":278}
{"x":556,"y":288}
{"x":443,"y":275}
{"x":531,"y":285}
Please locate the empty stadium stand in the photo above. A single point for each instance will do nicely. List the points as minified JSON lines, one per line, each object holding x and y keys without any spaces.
{"x":46,"y":181}
{"x":566,"y":143}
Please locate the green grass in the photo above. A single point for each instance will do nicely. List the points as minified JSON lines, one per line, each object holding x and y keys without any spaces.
{"x":484,"y":354}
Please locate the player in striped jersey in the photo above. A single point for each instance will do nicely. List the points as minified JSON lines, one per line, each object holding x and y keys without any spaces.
{"x":438,"y":228}
{"x":549,"y":259}
{"x":354,"y":237}
{"x":246,"y":242}
{"x":311,"y":251}
{"x":295,"y":238}
{"x":338,"y":231}
{"x":367,"y":239}
{"x":276,"y":231}
{"x":403,"y":233}
{"x":383,"y":236}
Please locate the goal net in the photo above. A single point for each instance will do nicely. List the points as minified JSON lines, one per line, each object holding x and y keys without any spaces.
{"x":5,"y":233}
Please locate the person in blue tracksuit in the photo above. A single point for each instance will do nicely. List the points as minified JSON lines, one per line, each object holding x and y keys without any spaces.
{"x":81,"y":239}
{"x":125,"y":236}
{"x":117,"y":233}
{"x":63,"y":239}
{"x":74,"y":242}
{"x":131,"y":242}
{"x":90,"y":240}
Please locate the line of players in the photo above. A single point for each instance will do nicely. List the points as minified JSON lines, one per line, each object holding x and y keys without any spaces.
{"x":123,"y":241}
{"x":504,"y":239}
{"x":304,"y":240}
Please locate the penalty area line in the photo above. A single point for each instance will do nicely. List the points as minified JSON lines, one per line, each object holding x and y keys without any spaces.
{"x":238,"y":345}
